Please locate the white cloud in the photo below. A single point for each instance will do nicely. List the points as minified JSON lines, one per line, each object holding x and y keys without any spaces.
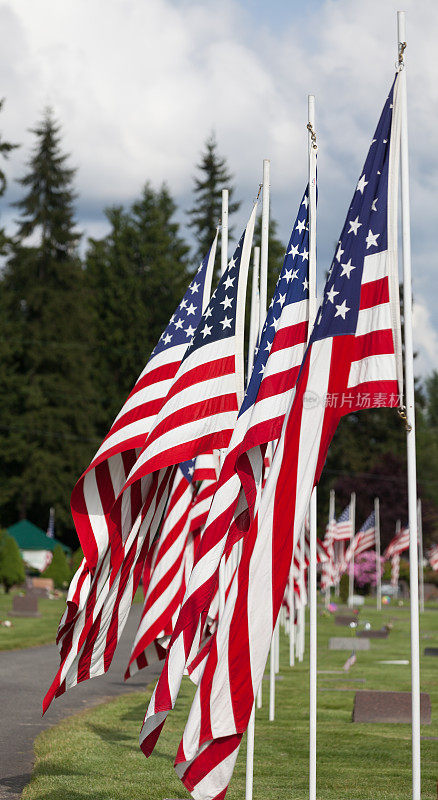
{"x":426,"y":338}
{"x":139,"y":85}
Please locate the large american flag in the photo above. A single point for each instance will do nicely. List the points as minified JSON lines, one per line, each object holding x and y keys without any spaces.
{"x":95,"y":492}
{"x":351,"y":356}
{"x":276,"y":367}
{"x":101,"y":592}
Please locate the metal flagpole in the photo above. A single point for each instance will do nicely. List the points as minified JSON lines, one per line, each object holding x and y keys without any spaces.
{"x":277,"y":645}
{"x":331,"y":517}
{"x":224,"y":231}
{"x":410,"y":415}
{"x":255,"y":311}
{"x":263,"y":290}
{"x":312,"y":585}
{"x":377,"y":540}
{"x":301,"y":617}
{"x":224,"y":262}
{"x":420,"y":554}
{"x":352,"y":532}
{"x":291,"y":599}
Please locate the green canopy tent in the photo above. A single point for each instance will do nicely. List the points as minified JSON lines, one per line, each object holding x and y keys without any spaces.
{"x":36,"y":547}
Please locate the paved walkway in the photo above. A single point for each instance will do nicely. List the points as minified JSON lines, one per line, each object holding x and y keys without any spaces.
{"x":25,"y":675}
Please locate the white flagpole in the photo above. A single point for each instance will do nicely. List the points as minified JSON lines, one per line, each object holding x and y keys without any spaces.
{"x":312,"y":583}
{"x":352,"y":532}
{"x":224,"y":263}
{"x":410,"y":414}
{"x":420,"y":555}
{"x":277,"y":645}
{"x":224,"y":231}
{"x":301,"y":617}
{"x":377,"y":540}
{"x":291,"y":597}
{"x":331,"y":517}
{"x":263,"y":290}
{"x":255,"y":311}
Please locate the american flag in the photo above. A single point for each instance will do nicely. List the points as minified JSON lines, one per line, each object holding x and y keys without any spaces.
{"x":395,"y":569}
{"x":261,"y":415}
{"x":351,"y":354}
{"x":398,"y":544}
{"x":94,"y":494}
{"x":98,"y":602}
{"x":343,"y":528}
{"x":51,"y":525}
{"x":101,"y":592}
{"x":364,"y":539}
{"x":433,"y":556}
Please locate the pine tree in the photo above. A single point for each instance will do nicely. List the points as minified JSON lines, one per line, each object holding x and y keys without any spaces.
{"x":48,"y":436}
{"x":136,"y":277}
{"x":5,"y":149}
{"x":58,"y":569}
{"x":11,"y":562}
{"x":207,"y":207}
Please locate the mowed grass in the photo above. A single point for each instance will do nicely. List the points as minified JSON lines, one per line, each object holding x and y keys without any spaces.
{"x":33,"y":631}
{"x":96,"y":755}
{"x":30,"y":631}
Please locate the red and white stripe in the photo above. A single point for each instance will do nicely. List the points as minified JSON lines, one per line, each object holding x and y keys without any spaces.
{"x":398,"y":544}
{"x":395,"y":569}
{"x":167,"y":580}
{"x":98,"y":602}
{"x":364,"y":540}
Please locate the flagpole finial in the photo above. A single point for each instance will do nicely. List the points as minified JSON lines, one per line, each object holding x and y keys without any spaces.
{"x":402,"y":414}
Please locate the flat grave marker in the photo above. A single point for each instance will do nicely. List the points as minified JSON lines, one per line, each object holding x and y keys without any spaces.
{"x":346,"y":643}
{"x":431,"y":651}
{"x":25,"y":606}
{"x":380,"y":634}
{"x":389,"y":707}
{"x":345,"y":619}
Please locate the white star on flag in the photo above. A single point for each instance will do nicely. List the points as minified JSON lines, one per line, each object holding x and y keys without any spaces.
{"x":342,"y":310}
{"x":371,"y":239}
{"x":354,"y":225}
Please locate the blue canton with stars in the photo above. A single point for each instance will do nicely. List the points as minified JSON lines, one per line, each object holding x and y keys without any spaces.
{"x":186,"y":318}
{"x":292,"y":286}
{"x":219,"y":319}
{"x":364,"y":233}
{"x":369,"y":523}
{"x":345,"y":516}
{"x":187,"y":468}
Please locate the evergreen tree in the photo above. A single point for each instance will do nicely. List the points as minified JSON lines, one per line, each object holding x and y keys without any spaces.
{"x":11,"y":563}
{"x":5,"y":149}
{"x":58,"y":569}
{"x":136,"y":277}
{"x":47,"y":437}
{"x":207,"y":206}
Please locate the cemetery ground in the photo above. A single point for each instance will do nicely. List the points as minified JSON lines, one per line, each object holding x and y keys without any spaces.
{"x":95,"y":754}
{"x":33,"y":631}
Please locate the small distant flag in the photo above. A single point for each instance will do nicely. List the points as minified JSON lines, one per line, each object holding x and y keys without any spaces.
{"x":51,"y":525}
{"x":351,"y":660}
{"x":433,"y":557}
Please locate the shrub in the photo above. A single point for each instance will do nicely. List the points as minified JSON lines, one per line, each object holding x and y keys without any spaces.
{"x":11,"y":562}
{"x":344,"y":585}
{"x":58,"y":569}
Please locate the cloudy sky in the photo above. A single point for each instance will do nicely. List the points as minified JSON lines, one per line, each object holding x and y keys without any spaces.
{"x":139,"y":84}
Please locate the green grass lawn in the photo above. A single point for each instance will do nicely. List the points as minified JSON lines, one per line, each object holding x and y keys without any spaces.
{"x":30,"y":631}
{"x":96,"y":755}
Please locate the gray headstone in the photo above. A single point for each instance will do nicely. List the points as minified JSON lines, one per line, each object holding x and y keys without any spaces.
{"x":345,"y":619}
{"x":382,"y":634}
{"x":347,"y":643}
{"x":389,"y":707}
{"x":25,"y":606}
{"x":431,"y":651}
